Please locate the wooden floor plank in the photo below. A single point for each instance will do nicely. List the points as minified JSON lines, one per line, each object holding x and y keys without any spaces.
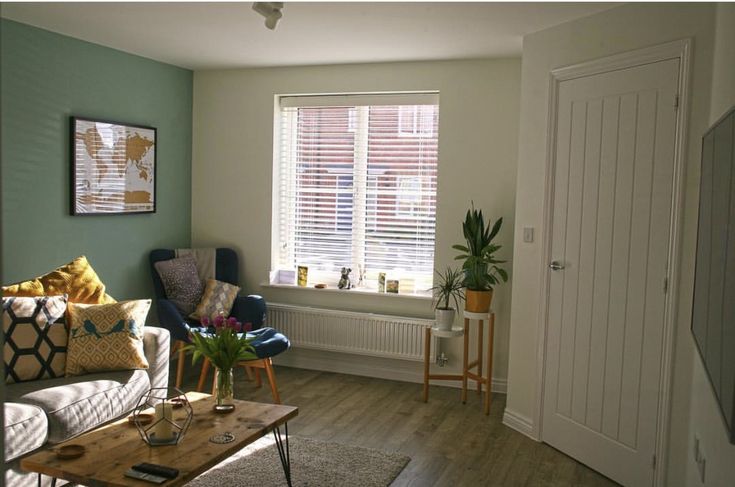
{"x":450,"y":443}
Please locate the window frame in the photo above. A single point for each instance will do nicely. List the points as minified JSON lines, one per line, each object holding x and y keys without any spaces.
{"x":357,"y":124}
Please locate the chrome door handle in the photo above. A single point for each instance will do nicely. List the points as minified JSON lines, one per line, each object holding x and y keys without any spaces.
{"x":556,"y":265}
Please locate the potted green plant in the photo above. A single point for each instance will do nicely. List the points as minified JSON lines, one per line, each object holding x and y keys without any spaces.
{"x":481,"y":268}
{"x":449,"y":286}
{"x":225,"y":343}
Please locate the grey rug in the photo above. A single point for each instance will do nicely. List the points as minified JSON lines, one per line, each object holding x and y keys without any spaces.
{"x":314,"y":463}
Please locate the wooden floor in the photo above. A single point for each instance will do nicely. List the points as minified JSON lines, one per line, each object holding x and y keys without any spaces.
{"x":450,"y":444}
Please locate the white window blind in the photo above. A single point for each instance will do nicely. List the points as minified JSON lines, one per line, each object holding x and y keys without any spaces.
{"x":356,"y":182}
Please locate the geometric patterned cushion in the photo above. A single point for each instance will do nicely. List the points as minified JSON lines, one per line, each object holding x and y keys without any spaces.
{"x":77,"y":279}
{"x":35,"y":344}
{"x":106,"y":337}
{"x":218,"y":298}
{"x":181,"y":282}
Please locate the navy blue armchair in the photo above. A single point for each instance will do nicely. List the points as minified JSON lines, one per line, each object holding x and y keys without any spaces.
{"x":247,"y":309}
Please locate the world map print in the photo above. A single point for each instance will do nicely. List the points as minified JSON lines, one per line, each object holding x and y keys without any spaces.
{"x":114,"y":167}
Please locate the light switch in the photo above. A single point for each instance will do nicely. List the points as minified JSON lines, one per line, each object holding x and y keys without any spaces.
{"x":528,"y":234}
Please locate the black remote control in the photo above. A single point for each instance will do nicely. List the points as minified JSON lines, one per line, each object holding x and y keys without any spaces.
{"x":160,"y":470}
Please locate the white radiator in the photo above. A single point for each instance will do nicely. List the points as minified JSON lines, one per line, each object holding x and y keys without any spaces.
{"x":349,"y":332}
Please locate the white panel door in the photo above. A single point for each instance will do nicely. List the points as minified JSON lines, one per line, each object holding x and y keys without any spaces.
{"x":612,"y":201}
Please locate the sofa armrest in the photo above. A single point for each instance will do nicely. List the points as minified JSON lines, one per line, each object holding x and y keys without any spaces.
{"x":249,"y":309}
{"x":156,"y":345}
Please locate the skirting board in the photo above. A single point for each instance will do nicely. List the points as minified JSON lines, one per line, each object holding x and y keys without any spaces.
{"x":379,"y":368}
{"x":519,"y":423}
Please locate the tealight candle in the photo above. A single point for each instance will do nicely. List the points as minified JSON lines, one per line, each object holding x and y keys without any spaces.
{"x":164,"y":430}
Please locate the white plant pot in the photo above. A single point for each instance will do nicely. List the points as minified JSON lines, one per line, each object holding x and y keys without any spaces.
{"x":444,"y":318}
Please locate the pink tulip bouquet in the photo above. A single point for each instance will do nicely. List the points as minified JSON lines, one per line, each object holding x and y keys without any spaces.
{"x":225,"y":343}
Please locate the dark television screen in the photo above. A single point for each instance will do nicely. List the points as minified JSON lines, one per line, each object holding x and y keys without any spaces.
{"x":713,"y":313}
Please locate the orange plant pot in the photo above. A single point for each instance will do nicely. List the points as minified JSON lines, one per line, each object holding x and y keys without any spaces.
{"x":478,"y":301}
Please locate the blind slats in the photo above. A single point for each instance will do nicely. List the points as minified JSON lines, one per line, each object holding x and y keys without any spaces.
{"x":358,"y":184}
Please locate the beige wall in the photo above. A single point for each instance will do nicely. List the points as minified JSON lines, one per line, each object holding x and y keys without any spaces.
{"x":706,"y":421}
{"x":624,"y":28}
{"x":233,"y":157}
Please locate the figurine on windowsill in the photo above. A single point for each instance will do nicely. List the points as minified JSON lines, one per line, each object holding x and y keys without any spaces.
{"x":344,"y":281}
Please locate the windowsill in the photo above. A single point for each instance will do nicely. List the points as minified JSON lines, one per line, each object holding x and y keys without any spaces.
{"x":354,"y":290}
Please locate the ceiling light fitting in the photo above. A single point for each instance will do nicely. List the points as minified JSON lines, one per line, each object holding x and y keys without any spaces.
{"x":271,"y":11}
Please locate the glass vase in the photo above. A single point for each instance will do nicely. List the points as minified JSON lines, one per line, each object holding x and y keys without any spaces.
{"x":224,"y":400}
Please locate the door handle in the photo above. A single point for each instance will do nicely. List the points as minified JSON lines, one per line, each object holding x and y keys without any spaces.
{"x":556,"y":265}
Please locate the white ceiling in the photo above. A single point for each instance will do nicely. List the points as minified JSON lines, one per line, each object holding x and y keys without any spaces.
{"x":227,"y":35}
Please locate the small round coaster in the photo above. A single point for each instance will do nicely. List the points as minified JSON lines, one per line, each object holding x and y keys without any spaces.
{"x":222,"y":438}
{"x":68,"y":452}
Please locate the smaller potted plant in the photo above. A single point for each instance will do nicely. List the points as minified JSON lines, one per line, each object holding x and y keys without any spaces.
{"x":449,"y":286}
{"x":225,"y":345}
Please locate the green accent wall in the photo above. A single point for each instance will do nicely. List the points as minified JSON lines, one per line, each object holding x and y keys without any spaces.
{"x":44,"y":79}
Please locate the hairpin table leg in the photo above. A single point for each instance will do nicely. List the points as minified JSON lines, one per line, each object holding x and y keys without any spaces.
{"x":283,"y":451}
{"x":40,"y":481}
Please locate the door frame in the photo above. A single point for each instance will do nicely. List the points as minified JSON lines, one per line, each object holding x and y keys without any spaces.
{"x":680,"y":50}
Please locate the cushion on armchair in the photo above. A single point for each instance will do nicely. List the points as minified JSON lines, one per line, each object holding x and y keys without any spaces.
{"x":181,"y":282}
{"x":218,"y":296}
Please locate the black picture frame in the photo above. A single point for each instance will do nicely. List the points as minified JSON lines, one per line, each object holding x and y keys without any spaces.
{"x":113,"y":167}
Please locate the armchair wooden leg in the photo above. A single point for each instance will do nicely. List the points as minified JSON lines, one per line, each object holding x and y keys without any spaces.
{"x":180,"y":364}
{"x":203,"y":375}
{"x":258,"y":380}
{"x":174,"y":348}
{"x":272,"y":380}
{"x":249,"y":372}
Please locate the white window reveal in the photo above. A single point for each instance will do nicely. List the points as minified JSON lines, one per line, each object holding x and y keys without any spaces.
{"x":355,"y":186}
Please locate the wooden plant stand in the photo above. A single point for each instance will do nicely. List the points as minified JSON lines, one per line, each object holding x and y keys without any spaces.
{"x":470,"y":370}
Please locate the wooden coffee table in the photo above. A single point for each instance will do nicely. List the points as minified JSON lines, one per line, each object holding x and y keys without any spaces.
{"x":114,"y":448}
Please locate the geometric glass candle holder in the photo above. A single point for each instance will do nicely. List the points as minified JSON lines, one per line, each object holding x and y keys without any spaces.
{"x":162,"y":416}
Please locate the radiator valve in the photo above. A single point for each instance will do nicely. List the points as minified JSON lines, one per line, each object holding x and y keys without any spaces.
{"x":442,"y":359}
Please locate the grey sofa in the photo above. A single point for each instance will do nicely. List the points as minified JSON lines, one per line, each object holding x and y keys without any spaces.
{"x":46,"y":412}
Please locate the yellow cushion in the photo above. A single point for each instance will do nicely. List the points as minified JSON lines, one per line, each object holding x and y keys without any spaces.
{"x":76,"y":279}
{"x":106,"y":336}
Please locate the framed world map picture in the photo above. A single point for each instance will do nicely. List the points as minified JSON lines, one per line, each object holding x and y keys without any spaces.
{"x":113,"y":169}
